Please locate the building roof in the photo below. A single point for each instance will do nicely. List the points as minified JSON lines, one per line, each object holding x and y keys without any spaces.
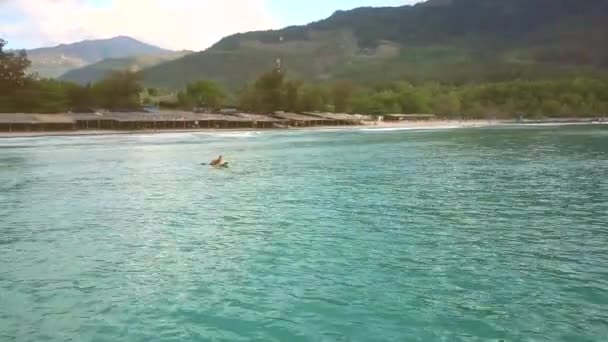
{"x":86,"y":116}
{"x":336,"y":116}
{"x":216,"y":117}
{"x":177,"y":116}
{"x":149,"y":117}
{"x":257,"y":117}
{"x":297,"y":117}
{"x":16,"y":118}
{"x":54,"y":118}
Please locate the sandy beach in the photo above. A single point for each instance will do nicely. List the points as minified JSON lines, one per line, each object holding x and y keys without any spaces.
{"x":434,"y":124}
{"x":371,"y":125}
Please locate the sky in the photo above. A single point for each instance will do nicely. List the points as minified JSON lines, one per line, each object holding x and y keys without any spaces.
{"x":171,"y":24}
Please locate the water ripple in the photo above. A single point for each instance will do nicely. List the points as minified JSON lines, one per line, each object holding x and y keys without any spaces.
{"x":450,"y":235}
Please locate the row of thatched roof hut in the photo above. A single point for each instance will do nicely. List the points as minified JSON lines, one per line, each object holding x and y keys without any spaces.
{"x":168,"y":120}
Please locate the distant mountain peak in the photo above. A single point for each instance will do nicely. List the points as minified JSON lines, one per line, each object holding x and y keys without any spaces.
{"x":55,"y":61}
{"x":123,"y":38}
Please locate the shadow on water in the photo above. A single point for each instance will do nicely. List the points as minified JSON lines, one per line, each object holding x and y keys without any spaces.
{"x":11,"y":160}
{"x":11,"y":165}
{"x":14,"y":185}
{"x":580,"y":140}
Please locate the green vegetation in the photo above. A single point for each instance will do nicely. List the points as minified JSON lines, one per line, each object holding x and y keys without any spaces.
{"x":267,"y":94}
{"x":12,"y":74}
{"x":230,"y":70}
{"x":119,"y":91}
{"x":97,"y":71}
{"x":574,"y":97}
{"x":445,"y":41}
{"x":203,"y":94}
{"x":274,"y":91}
{"x":20,"y":92}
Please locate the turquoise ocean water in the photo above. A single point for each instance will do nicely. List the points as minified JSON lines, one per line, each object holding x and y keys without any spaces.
{"x":493,"y":234}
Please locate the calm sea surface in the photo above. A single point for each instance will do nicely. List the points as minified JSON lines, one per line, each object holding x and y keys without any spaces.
{"x":493,"y":234}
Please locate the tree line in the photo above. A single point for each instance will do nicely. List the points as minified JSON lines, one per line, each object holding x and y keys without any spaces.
{"x":572,"y":97}
{"x":274,"y":91}
{"x":27,"y":93}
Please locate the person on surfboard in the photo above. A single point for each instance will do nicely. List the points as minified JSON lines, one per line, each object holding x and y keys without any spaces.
{"x":218,"y":162}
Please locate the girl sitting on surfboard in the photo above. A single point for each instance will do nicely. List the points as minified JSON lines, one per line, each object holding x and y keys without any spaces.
{"x":218,"y":162}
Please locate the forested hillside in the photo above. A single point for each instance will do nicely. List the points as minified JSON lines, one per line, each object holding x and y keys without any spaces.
{"x":455,"y":41}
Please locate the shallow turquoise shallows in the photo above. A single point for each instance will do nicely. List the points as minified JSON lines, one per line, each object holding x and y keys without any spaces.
{"x":488,"y":234}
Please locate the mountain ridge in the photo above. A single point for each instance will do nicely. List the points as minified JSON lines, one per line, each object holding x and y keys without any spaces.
{"x":438,"y":40}
{"x":95,"y":72}
{"x":56,"y":60}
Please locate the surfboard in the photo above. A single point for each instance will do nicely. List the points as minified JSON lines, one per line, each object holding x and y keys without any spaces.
{"x":223,"y":166}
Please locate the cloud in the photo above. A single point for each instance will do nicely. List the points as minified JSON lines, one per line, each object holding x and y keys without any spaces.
{"x":176,"y":24}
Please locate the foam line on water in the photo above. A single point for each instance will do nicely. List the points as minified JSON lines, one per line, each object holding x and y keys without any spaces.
{"x":234,"y":134}
{"x":549,"y":124}
{"x":419,"y":128}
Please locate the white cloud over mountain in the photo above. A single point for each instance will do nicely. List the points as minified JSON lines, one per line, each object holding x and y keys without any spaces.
{"x":175,"y":24}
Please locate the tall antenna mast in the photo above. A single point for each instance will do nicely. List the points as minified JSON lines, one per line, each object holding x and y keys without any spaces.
{"x":278,"y":62}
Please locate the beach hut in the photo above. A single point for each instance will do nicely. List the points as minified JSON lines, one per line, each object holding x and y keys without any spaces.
{"x":338,"y":119}
{"x":175,"y":120}
{"x":54,"y":122}
{"x":16,"y":122}
{"x":211,"y":121}
{"x":88,"y":121}
{"x":300,"y":120}
{"x":150,"y":121}
{"x":20,"y":122}
{"x":260,"y":121}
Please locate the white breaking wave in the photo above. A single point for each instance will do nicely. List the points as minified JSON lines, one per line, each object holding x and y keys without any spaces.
{"x":162,"y":136}
{"x":543,"y":124}
{"x":235,"y":134}
{"x":419,"y":128}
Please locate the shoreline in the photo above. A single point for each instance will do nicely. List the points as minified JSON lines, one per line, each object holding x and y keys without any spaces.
{"x":396,"y":125}
{"x":369,"y":125}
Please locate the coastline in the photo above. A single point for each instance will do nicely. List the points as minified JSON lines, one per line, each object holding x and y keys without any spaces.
{"x":370,"y":125}
{"x":396,"y":125}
